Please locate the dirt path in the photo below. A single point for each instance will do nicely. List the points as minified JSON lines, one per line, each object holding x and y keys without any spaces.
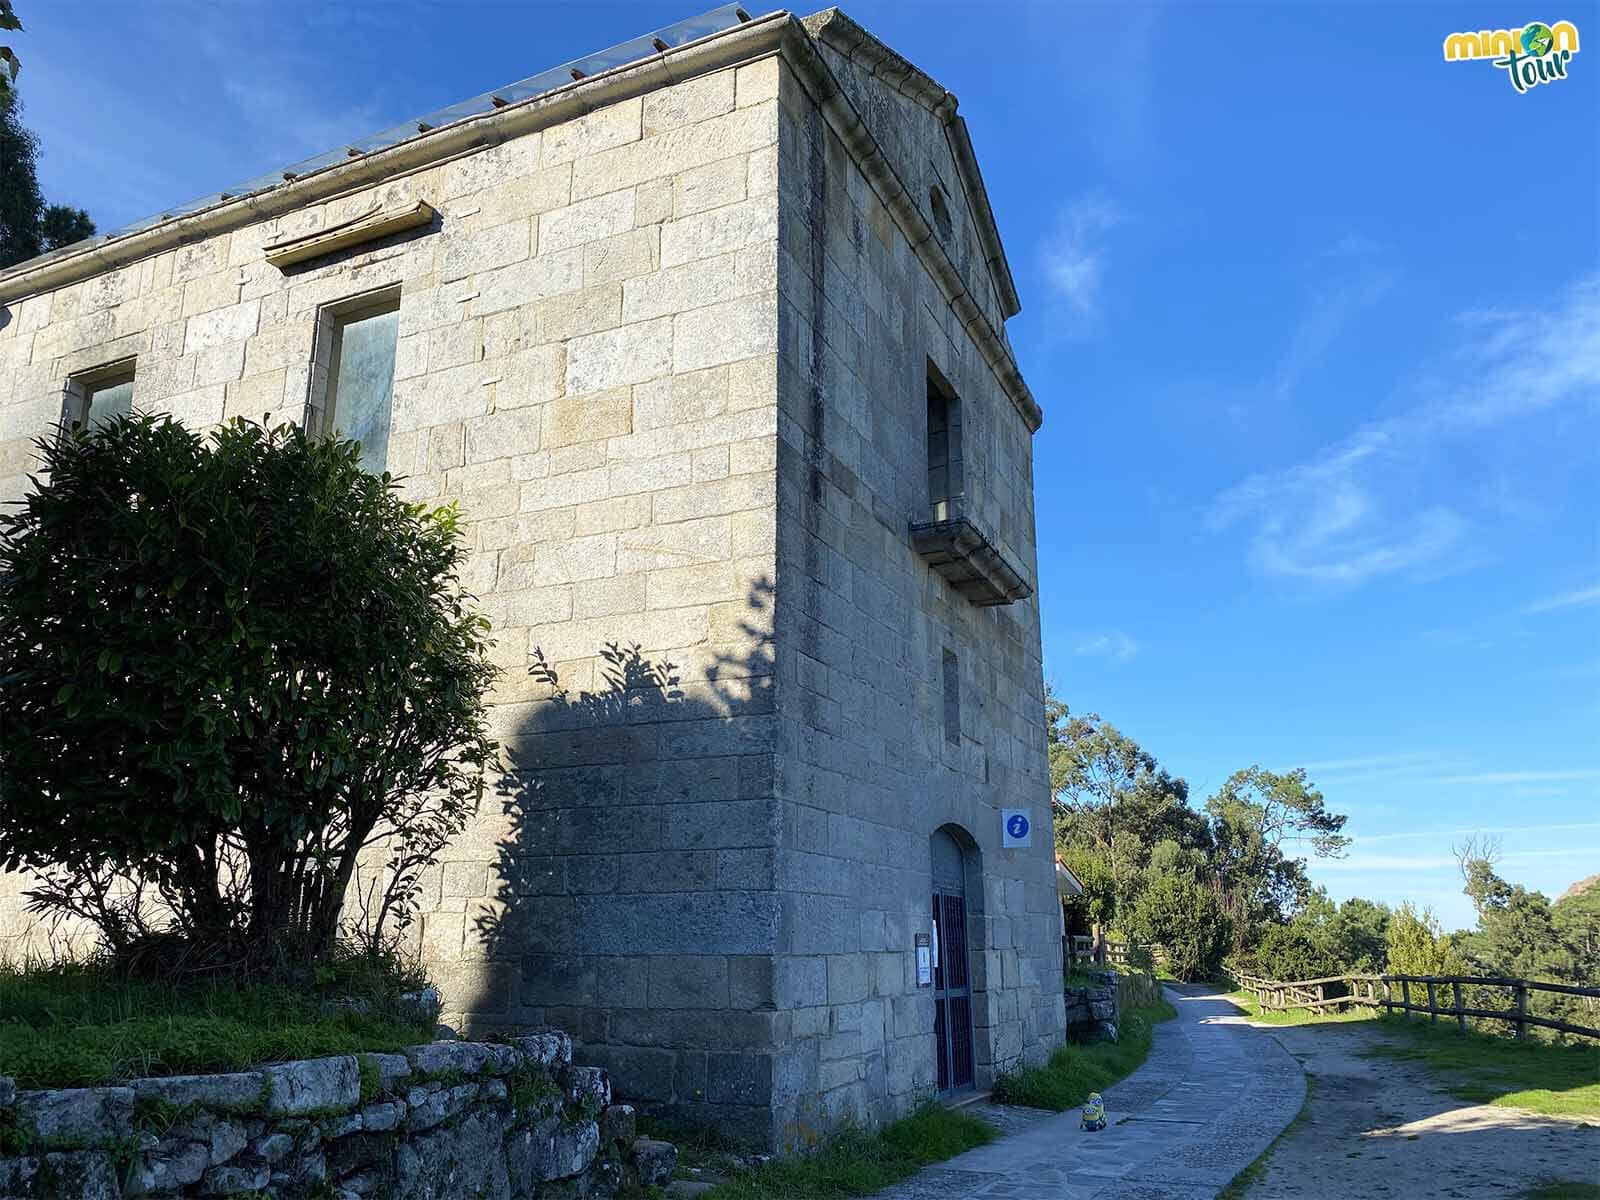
{"x":1385,"y":1127}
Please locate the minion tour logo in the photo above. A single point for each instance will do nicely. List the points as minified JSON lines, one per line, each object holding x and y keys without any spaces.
{"x":1537,"y":53}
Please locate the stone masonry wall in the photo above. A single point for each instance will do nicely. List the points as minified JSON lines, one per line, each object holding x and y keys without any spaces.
{"x":587,"y":365}
{"x":446,"y":1121}
{"x":670,"y":358}
{"x":866,"y":771}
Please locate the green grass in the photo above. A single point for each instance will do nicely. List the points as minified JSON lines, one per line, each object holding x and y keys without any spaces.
{"x":1084,"y":977}
{"x":1246,"y":1003}
{"x":1251,"y":1175}
{"x":1074,"y":1071}
{"x":1564,"y":1190}
{"x":1480,"y":1068}
{"x":80,"y":1025}
{"x":857,"y":1162}
{"x":1484,"y":1069}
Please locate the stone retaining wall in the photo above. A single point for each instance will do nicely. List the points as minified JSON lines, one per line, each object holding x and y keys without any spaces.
{"x":1093,"y":1013}
{"x":444,"y":1121}
{"x":1135,"y":989}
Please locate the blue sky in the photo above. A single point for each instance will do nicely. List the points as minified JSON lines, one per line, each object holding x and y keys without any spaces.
{"x":1314,"y":317}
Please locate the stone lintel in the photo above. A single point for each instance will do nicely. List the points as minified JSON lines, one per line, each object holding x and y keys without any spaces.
{"x":368,"y":227}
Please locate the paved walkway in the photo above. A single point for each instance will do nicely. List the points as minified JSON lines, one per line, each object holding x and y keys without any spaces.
{"x":1212,"y":1095}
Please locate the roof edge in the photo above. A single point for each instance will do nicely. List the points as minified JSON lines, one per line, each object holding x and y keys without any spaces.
{"x":850,"y":39}
{"x":817,"y":78}
{"x":755,"y":38}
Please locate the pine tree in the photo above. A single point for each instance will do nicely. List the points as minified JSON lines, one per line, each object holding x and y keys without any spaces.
{"x":28,"y":226}
{"x":21,"y":202}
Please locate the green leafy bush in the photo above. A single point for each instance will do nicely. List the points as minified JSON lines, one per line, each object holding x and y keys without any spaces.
{"x":229,"y":664}
{"x":1185,"y":918}
{"x":1417,"y":945}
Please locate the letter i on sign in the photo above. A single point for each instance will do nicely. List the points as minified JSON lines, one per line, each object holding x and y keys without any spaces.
{"x":1016,"y":828}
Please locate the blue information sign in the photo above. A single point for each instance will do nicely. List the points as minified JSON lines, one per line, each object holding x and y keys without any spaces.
{"x":1015,"y":828}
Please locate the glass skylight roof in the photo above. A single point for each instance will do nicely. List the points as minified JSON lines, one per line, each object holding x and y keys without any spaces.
{"x":634,"y":50}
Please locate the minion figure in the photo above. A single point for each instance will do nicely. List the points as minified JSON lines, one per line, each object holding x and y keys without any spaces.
{"x":1094,"y":1113}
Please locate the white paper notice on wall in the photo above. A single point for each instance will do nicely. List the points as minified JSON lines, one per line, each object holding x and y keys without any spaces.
{"x":1016,"y":828}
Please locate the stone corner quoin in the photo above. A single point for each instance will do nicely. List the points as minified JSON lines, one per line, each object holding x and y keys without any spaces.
{"x":675,"y":354}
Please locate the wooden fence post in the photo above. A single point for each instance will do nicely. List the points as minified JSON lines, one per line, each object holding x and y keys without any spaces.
{"x":1405,"y":996}
{"x":1521,"y":993}
{"x":1388,"y":999}
{"x":1433,"y":1006}
{"x":1461,"y":1017}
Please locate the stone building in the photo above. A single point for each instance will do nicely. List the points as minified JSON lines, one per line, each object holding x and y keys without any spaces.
{"x":706,"y":335}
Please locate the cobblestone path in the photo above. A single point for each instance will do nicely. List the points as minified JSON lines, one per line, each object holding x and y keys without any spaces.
{"x":1212,"y":1095}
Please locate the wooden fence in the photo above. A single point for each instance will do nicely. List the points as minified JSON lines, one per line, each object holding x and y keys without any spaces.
{"x":1130,"y":954}
{"x":1107,"y":951}
{"x":1393,"y":992}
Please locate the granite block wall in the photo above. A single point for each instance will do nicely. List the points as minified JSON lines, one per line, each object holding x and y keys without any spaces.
{"x":586,"y":364}
{"x":670,"y":357}
{"x":877,"y":750}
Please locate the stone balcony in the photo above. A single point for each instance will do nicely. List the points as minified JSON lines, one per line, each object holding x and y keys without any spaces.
{"x":959,"y":550}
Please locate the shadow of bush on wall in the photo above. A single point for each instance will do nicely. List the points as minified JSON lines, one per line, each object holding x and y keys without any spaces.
{"x":598,"y":858}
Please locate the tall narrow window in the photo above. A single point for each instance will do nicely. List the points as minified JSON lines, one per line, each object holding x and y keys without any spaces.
{"x":952,"y":697}
{"x":95,"y":397}
{"x":944,"y":449}
{"x":356,"y":351}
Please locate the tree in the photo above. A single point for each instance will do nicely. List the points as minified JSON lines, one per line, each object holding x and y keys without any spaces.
{"x":1360,"y":933}
{"x":9,"y":66}
{"x":1099,"y":900}
{"x":1577,"y":916}
{"x":1252,"y":815}
{"x":1324,"y":939}
{"x":1416,"y":945}
{"x":1113,"y":801}
{"x":1476,"y":857}
{"x":61,"y":225}
{"x":21,"y":202}
{"x":230,"y":666}
{"x":28,"y":226}
{"x":1184,"y":918}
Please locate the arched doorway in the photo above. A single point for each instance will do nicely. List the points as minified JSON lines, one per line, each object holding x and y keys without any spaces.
{"x":952,"y":969}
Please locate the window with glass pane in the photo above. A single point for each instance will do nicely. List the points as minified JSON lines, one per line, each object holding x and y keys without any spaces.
{"x":108,"y":400}
{"x":361,"y":382}
{"x":944,"y":449}
{"x":92,"y":398}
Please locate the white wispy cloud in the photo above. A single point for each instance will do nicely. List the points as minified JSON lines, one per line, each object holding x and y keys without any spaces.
{"x":1361,"y":863}
{"x":1112,"y":644}
{"x":1461,"y":831}
{"x":1340,"y":774}
{"x":1330,"y":314}
{"x":1074,"y":256}
{"x":1354,"y":510}
{"x":1513,"y":777}
{"x":1577,"y":599}
{"x":1584,"y":852}
{"x":1358,"y":863}
{"x":1412,"y":761}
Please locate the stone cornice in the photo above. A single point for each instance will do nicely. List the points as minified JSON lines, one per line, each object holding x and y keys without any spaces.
{"x":860,"y":47}
{"x":753,"y":39}
{"x":774,"y":32}
{"x":814,"y":74}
